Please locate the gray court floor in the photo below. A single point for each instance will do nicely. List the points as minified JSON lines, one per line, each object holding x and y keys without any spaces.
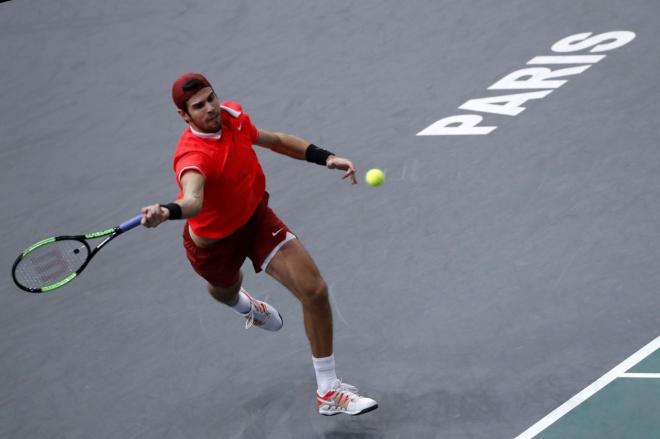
{"x":487,"y":282}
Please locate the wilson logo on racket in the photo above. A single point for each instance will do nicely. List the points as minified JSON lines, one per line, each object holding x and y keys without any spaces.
{"x":99,"y":234}
{"x":50,"y":265}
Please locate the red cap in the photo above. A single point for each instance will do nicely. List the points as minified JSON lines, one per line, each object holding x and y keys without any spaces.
{"x":184,"y":88}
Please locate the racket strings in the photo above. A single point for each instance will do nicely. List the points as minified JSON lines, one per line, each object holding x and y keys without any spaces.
{"x":51,"y":263}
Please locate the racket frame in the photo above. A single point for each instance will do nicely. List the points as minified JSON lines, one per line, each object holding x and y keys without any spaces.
{"x":111,"y":233}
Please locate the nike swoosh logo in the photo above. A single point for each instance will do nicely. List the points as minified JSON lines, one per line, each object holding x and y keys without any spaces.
{"x":275,"y":233}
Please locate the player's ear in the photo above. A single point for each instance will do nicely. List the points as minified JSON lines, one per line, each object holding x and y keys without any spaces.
{"x":185,"y":116}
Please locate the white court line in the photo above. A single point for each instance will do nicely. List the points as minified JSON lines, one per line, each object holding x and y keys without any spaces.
{"x":590,"y":390}
{"x":640,"y":375}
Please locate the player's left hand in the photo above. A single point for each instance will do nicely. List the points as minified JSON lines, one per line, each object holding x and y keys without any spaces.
{"x":335,"y":162}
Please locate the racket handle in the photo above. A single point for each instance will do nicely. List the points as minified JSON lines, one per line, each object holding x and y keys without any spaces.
{"x":131,"y":223}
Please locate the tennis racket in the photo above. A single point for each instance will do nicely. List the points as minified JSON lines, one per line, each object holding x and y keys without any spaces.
{"x":54,"y":262}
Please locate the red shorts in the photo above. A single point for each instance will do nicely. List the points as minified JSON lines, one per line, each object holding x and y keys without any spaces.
{"x":259,"y":239}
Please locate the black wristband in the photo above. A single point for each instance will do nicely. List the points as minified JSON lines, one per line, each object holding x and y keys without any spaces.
{"x":175,"y":210}
{"x":314,"y":154}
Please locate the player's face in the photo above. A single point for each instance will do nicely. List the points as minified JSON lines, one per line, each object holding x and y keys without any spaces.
{"x":203,"y":111}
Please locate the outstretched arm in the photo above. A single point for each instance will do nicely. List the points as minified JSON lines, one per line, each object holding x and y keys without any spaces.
{"x":296,"y":147}
{"x":192,"y":184}
{"x":287,"y":144}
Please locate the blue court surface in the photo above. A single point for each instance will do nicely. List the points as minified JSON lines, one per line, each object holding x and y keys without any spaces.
{"x":502,"y":282}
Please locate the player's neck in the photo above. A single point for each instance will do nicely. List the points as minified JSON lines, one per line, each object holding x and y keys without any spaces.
{"x":197,"y":132}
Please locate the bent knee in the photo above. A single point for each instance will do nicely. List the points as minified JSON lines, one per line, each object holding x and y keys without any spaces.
{"x":224,"y":295}
{"x":315,"y":293}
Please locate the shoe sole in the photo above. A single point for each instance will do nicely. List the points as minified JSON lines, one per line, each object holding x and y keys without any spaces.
{"x":367,"y":410}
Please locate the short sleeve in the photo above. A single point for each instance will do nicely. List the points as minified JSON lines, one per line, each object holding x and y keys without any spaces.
{"x":192,"y":161}
{"x":248,"y":127}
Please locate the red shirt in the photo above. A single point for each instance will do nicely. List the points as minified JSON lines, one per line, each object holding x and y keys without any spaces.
{"x":234,"y":181}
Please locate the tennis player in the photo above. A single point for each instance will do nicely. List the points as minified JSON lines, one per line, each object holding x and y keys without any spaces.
{"x":223,"y":198}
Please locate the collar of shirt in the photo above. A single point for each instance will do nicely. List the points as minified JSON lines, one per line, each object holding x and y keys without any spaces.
{"x":215,"y":136}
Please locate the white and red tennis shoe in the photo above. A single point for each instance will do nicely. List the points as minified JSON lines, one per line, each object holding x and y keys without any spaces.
{"x":344,"y":398}
{"x":262,"y":315}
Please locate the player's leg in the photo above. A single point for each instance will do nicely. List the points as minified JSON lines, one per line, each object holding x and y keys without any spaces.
{"x":294,"y":268}
{"x":256,"y":312}
{"x":276,"y":250}
{"x":220,"y":265}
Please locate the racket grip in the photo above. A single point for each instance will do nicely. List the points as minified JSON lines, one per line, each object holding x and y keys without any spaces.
{"x":131,"y":223}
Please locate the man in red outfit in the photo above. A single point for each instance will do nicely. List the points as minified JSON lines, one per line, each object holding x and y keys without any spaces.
{"x":222,"y":195}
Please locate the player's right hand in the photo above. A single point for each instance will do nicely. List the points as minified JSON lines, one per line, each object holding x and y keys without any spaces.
{"x":153,"y":215}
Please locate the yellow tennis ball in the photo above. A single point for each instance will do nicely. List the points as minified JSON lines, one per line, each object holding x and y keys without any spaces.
{"x":375,"y":177}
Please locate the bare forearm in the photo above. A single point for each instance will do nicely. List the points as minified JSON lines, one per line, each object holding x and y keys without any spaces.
{"x":289,"y":145}
{"x":192,"y":184}
{"x":299,"y":148}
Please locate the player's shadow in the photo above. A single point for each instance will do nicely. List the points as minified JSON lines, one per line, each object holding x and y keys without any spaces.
{"x":339,"y":434}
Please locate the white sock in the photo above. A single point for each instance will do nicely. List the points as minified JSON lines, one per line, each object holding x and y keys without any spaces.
{"x":243,"y":304}
{"x":325,"y":373}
